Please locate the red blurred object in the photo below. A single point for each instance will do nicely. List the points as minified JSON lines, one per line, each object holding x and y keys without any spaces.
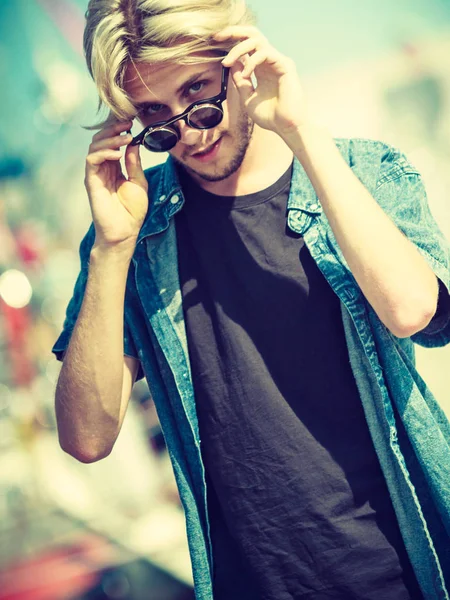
{"x":17,"y":323}
{"x":60,"y":573}
{"x":30,"y":244}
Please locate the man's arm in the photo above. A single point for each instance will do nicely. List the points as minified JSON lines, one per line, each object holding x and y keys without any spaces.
{"x":392,"y":274}
{"x":96,"y":380}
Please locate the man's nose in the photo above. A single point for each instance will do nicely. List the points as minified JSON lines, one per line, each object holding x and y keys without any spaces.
{"x":188,"y":135}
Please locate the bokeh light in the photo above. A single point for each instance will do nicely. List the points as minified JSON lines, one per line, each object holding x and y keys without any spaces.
{"x":15,"y":288}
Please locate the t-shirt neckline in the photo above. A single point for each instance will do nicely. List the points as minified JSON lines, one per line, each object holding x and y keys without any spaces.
{"x":199,"y":195}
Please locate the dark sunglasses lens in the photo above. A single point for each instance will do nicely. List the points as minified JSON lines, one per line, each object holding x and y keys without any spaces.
{"x":205,"y":117}
{"x":160,"y":140}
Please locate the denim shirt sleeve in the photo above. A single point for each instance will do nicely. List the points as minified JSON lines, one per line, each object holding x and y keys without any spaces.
{"x":74,"y":305}
{"x":401,"y":194}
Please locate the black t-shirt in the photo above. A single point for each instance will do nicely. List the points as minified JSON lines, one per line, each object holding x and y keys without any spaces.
{"x":298,"y":505}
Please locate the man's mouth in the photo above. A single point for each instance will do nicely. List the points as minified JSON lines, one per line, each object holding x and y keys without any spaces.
{"x":209,"y":153}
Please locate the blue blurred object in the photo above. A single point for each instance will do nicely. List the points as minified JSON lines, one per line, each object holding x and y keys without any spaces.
{"x":11,"y":168}
{"x":31,"y":42}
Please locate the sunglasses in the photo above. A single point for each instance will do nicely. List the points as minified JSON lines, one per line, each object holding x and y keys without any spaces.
{"x":202,"y":114}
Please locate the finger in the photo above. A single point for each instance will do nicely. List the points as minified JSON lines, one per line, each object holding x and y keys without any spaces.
{"x":112,"y":130}
{"x":240,"y":50}
{"x":112,"y":142}
{"x":134,"y":166}
{"x":253,"y":61}
{"x":98,"y":158}
{"x":244,"y":85}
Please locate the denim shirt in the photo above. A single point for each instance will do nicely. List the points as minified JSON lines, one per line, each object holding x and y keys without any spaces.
{"x":410,"y":432}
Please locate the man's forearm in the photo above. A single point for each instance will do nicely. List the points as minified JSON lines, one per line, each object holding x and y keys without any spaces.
{"x":89,"y":390}
{"x":388,"y":268}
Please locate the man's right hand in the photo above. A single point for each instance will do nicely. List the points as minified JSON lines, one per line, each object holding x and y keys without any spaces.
{"x":118,"y":204}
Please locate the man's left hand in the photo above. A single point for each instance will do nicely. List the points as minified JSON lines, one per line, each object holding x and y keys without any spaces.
{"x":277,"y":102}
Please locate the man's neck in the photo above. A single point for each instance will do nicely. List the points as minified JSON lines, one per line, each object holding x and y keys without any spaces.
{"x":265,"y":161}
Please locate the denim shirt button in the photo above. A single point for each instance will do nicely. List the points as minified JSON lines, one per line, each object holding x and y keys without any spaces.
{"x":175,"y":199}
{"x":163,"y":197}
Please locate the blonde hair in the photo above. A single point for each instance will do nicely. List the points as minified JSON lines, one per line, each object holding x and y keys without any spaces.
{"x":119,"y":32}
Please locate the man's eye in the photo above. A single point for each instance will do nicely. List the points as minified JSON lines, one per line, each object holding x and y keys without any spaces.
{"x":197,"y":87}
{"x":153,"y":109}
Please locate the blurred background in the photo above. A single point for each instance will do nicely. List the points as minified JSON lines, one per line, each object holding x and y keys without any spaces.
{"x":115,"y":529}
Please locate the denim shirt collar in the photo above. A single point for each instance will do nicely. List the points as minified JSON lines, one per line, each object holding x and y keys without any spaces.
{"x":166,"y":196}
{"x":302,"y":195}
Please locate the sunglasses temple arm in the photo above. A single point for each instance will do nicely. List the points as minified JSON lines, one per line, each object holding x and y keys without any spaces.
{"x":139,"y":138}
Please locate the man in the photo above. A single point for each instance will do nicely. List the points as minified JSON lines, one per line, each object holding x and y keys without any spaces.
{"x":281,"y":276}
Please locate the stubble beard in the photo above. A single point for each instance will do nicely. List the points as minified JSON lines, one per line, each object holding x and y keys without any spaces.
{"x":243,"y":134}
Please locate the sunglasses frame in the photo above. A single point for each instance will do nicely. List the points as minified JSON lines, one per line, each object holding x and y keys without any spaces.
{"x":215,"y":101}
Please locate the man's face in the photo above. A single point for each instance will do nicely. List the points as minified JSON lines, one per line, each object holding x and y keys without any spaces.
{"x":166,"y":91}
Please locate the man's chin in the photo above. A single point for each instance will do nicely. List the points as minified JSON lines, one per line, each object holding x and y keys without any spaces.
{"x":214,"y":174}
{"x":211,"y":173}
{"x":217,"y":171}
